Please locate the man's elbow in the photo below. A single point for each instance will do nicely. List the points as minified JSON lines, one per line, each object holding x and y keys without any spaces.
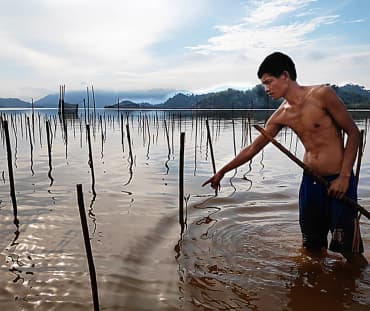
{"x":355,"y":135}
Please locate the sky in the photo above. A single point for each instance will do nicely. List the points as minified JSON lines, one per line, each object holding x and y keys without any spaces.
{"x":194,"y":46}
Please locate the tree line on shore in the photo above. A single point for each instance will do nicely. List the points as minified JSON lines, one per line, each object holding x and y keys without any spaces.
{"x":354,"y":97}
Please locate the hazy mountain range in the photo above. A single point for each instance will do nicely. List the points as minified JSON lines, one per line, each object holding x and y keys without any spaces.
{"x":354,"y":96}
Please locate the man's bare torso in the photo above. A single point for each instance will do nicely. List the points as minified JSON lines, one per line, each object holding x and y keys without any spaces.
{"x":316,"y":129}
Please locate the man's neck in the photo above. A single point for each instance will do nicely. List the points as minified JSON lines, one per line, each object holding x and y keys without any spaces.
{"x":295,"y":93}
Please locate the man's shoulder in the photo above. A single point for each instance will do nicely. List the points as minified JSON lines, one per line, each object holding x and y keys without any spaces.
{"x":320,"y":89}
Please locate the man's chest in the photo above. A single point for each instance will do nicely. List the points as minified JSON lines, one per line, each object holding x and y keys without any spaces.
{"x":309,"y":118}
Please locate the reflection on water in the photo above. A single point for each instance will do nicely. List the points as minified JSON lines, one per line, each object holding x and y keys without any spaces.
{"x":240,"y":250}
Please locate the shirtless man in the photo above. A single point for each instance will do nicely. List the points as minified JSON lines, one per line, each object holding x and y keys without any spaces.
{"x":317,"y":116}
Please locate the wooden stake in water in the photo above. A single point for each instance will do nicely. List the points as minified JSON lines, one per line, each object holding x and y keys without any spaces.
{"x":129,"y":142}
{"x":359,"y":156}
{"x":211,"y":150}
{"x":91,"y":162}
{"x":49,"y":140}
{"x":93,"y":94}
{"x":90,"y":260}
{"x":10,"y":171}
{"x":181,"y":182}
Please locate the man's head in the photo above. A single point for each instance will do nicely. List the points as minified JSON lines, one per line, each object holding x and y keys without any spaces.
{"x":277,"y":73}
{"x":275,"y":64}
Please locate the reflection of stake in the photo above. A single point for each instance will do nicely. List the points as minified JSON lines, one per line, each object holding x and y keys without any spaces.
{"x":91,"y":162}
{"x":90,"y":260}
{"x":10,"y":171}
{"x":310,"y":172}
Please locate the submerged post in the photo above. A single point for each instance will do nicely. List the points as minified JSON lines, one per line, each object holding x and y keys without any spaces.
{"x":90,"y":260}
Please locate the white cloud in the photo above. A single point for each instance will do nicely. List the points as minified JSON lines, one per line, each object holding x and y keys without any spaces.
{"x":258,"y":31}
{"x":57,"y":41}
{"x":109,"y":43}
{"x":266,"y":12}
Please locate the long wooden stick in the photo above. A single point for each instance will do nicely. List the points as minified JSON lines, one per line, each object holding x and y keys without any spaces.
{"x":181,"y":182}
{"x":310,"y":172}
{"x":89,"y":255}
{"x":359,"y":156}
{"x":10,"y":172}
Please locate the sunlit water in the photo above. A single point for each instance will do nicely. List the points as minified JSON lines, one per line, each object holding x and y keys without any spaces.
{"x":240,"y":250}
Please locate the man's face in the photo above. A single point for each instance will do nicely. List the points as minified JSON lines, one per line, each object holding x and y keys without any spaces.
{"x":275,"y":87}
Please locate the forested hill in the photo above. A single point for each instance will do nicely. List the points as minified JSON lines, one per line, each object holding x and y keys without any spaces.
{"x":353,"y":96}
{"x":13,"y":102}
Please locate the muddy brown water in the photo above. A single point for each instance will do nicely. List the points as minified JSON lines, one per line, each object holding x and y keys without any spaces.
{"x":240,"y":250}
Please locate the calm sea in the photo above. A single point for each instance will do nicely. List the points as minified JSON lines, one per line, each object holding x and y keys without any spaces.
{"x":239,"y":250}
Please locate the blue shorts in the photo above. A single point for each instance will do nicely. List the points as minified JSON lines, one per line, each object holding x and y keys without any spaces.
{"x":319,"y":213}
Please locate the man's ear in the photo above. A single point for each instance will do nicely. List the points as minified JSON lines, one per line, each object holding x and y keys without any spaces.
{"x":286,"y":74}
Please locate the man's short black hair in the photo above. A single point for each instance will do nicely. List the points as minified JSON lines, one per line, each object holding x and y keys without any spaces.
{"x":275,"y":64}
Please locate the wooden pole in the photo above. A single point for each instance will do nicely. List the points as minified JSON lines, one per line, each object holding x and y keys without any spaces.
{"x":209,"y":139}
{"x":129,"y":142}
{"x":90,"y":260}
{"x":181,"y":182}
{"x":93,"y":94}
{"x":10,"y":172}
{"x":357,"y":234}
{"x":49,"y":141}
{"x":210,"y":147}
{"x":310,"y":172}
{"x":31,"y":145}
{"x":88,"y":103}
{"x":91,"y":162}
{"x":359,"y":156}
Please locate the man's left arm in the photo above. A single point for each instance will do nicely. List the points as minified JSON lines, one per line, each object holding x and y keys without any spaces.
{"x":338,"y":111}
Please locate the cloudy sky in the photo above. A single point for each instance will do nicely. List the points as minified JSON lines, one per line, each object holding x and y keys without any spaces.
{"x":192,"y":45}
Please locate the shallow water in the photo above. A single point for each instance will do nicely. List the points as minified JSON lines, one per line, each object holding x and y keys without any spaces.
{"x":240,"y":250}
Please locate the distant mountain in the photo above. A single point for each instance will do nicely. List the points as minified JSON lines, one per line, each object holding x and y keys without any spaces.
{"x":234,"y":99}
{"x":105,"y":98}
{"x":354,"y":97}
{"x":182,"y":101}
{"x":129,"y":104}
{"x":13,"y":103}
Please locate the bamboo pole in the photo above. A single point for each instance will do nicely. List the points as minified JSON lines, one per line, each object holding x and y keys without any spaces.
{"x":181,"y":182}
{"x":10,"y":172}
{"x":357,"y":234}
{"x":49,"y":141}
{"x":359,"y":156}
{"x":90,"y":259}
{"x":31,"y":144}
{"x":91,"y":162}
{"x":310,"y":172}
{"x":210,"y":147}
{"x":209,"y":139}
{"x":93,"y":94}
{"x":129,"y":142}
